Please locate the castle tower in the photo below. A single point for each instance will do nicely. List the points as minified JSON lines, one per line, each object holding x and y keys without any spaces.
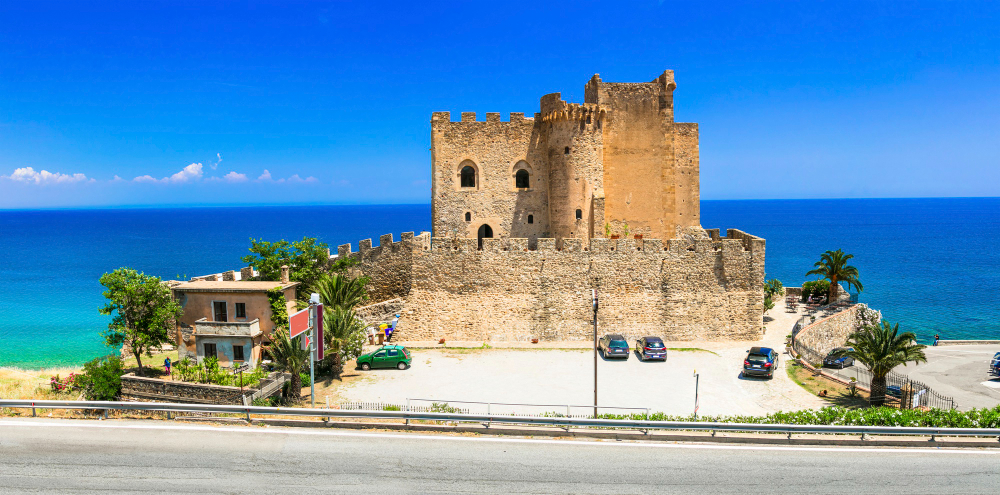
{"x":617,"y":162}
{"x":572,"y":133}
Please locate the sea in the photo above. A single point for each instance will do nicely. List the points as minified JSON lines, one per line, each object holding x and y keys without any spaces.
{"x":932,"y":265}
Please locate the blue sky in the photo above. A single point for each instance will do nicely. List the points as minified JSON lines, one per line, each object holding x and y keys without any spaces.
{"x":137,"y":103}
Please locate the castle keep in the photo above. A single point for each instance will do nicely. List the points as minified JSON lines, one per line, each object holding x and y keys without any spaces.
{"x":617,"y":164}
{"x":530,"y":214}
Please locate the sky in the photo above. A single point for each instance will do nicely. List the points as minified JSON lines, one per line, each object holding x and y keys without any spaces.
{"x":200,"y":103}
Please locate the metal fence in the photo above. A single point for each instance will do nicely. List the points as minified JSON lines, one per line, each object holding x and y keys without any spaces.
{"x":630,"y":424}
{"x":902,"y":390}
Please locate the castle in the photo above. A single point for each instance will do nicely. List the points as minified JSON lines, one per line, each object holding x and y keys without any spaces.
{"x":530,"y":214}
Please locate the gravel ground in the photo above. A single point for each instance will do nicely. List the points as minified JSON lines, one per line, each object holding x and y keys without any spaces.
{"x":559,"y":377}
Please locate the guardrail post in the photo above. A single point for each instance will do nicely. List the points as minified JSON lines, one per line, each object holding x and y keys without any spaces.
{"x":32,"y":409}
{"x":489,"y":414}
{"x":170,"y":414}
{"x":407,"y":422}
{"x":105,"y":414}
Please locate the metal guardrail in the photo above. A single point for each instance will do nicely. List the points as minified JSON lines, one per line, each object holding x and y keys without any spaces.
{"x":491,"y":418}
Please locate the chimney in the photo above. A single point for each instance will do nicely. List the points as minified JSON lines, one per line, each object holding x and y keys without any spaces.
{"x":284,"y":274}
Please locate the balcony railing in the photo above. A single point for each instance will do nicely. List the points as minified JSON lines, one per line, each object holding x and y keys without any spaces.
{"x":205,"y":326}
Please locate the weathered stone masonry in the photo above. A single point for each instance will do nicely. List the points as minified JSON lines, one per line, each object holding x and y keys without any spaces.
{"x":681,"y":289}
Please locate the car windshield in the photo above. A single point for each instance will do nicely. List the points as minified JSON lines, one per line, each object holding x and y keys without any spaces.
{"x":757,"y":359}
{"x":654,"y":345}
{"x":618,"y":343}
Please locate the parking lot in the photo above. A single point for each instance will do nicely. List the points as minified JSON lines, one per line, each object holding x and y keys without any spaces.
{"x":560,"y":377}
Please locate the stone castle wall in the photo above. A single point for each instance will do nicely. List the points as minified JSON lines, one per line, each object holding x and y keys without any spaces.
{"x":708,"y":288}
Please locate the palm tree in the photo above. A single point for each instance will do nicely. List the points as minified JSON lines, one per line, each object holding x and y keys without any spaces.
{"x":340,"y":291}
{"x":832,"y":265}
{"x":339,"y":326}
{"x":881,"y":348}
{"x":289,"y":357}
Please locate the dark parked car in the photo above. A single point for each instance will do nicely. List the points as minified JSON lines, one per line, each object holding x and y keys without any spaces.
{"x":995,"y":365}
{"x":832,"y":361}
{"x":651,"y":348}
{"x":760,"y":361}
{"x":613,"y":345}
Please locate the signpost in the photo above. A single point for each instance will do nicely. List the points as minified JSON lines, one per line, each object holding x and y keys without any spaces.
{"x":309,"y":324}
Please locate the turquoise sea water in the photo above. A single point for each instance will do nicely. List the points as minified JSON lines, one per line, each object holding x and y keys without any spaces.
{"x":931,"y":264}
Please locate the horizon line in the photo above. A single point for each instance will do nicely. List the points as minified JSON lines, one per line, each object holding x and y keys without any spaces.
{"x":178,"y":206}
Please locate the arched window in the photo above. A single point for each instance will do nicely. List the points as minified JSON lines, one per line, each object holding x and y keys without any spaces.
{"x":566,"y":151}
{"x":468,"y":176}
{"x":579,"y":214}
{"x":468,"y":217}
{"x":531,"y":219}
{"x":521,"y":179}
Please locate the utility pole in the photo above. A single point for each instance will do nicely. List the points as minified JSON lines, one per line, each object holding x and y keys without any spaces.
{"x":593,"y":293}
{"x":695,"y":394}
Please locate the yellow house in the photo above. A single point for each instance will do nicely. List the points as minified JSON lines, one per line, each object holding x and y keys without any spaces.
{"x":229,"y":320}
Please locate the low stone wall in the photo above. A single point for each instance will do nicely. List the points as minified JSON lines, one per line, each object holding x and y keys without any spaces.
{"x":968,"y":342}
{"x":142,"y":389}
{"x":380,"y":312}
{"x":816,"y":340}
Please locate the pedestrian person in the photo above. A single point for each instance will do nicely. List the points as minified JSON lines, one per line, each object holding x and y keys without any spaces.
{"x":166,"y":365}
{"x":936,"y":339}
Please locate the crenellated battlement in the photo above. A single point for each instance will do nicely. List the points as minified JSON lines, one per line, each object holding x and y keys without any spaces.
{"x":470,"y":117}
{"x":555,"y":109}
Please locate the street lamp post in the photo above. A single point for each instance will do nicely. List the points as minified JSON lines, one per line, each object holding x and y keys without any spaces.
{"x":593,"y":293}
{"x":313,"y":302}
{"x":695,"y":394}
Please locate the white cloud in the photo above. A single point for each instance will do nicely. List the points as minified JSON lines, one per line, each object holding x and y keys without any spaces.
{"x":28,"y":175}
{"x":117,"y":179}
{"x":216,"y":164}
{"x":189,"y":173}
{"x":231,"y":177}
{"x":295,"y":179}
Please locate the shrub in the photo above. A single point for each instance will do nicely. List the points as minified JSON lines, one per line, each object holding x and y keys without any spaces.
{"x":305,"y":379}
{"x":816,"y":287}
{"x":102,"y":378}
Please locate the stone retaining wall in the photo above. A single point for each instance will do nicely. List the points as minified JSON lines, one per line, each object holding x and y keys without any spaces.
{"x":142,"y":389}
{"x":815,"y":341}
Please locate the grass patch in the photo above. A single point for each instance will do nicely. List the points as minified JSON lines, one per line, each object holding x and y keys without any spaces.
{"x":836,"y":393}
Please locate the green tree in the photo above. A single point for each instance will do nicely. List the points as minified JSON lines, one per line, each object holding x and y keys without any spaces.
{"x":289,"y":357}
{"x":307,"y":259}
{"x":338,"y":290}
{"x":832,"y":265}
{"x":773,"y":288}
{"x":881,"y":348}
{"x":142,"y":309}
{"x":343,"y":333}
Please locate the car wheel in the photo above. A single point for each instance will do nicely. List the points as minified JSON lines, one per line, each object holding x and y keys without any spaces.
{"x":366,"y":366}
{"x":401,"y":365}
{"x":639,"y":355}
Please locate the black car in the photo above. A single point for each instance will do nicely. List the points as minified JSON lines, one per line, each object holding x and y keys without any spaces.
{"x":613,"y":345}
{"x":760,"y":361}
{"x":832,"y":361}
{"x":651,"y":348}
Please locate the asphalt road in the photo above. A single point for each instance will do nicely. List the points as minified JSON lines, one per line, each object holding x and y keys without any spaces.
{"x":61,"y":456}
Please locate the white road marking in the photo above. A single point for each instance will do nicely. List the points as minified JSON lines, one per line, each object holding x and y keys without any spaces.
{"x":991,"y":384}
{"x":404,"y":436}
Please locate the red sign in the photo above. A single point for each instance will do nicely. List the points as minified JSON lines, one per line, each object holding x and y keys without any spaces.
{"x":298,"y":323}
{"x":319,"y":333}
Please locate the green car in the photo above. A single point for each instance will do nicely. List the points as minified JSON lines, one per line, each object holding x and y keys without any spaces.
{"x":388,"y":356}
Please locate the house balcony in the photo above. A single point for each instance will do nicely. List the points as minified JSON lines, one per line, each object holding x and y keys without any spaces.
{"x":205,"y":326}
